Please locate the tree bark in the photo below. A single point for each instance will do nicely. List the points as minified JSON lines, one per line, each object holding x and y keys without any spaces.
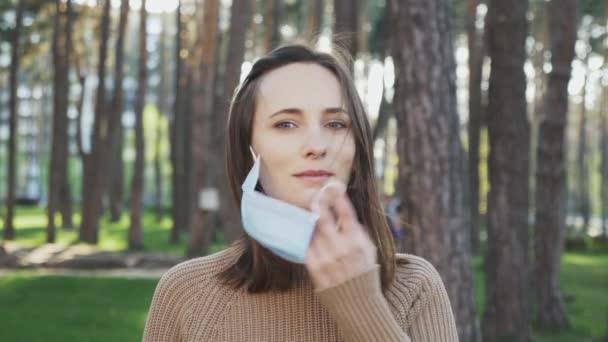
{"x":202,"y":224}
{"x":162,"y":109}
{"x":551,"y":171}
{"x":94,"y":162}
{"x":431,"y":159}
{"x":506,"y":316}
{"x":346,"y":27}
{"x":604,"y":154}
{"x":273,"y":17}
{"x":475,"y":45}
{"x":181,"y":132}
{"x":582,"y":174}
{"x":65,"y":194}
{"x":9,"y":229}
{"x":314,"y":19}
{"x":135,"y":235}
{"x":241,"y":14}
{"x":116,"y":167}
{"x":604,"y":147}
{"x":59,"y":144}
{"x":175,"y":125}
{"x":82,"y":81}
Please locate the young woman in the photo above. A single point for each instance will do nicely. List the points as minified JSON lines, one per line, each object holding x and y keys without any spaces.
{"x":317,"y":262}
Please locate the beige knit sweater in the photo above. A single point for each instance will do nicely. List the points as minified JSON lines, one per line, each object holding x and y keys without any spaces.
{"x":189,"y":304}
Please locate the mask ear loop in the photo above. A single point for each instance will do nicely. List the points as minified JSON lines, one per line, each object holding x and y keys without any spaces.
{"x":255,"y":158}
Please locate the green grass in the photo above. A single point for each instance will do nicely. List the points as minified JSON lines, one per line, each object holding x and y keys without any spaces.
{"x":54,"y":308}
{"x":584,"y":280}
{"x":31,"y":222}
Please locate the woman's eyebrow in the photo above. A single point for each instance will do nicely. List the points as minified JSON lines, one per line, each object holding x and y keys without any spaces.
{"x":298,"y":111}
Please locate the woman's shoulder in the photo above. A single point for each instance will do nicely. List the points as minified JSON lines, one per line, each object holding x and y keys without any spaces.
{"x":415,"y":268}
{"x":194,"y":273}
{"x":415,"y":277}
{"x":416,"y":282}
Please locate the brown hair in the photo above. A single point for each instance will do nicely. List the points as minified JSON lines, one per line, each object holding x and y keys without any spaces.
{"x":257,"y":268}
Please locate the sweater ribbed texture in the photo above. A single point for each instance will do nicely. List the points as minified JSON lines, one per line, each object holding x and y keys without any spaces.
{"x":190,"y":304}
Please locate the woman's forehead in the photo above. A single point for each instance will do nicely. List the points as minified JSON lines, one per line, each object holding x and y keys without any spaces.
{"x":307,"y":86}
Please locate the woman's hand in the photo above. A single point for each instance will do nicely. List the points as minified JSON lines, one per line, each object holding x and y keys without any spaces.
{"x":340,"y":248}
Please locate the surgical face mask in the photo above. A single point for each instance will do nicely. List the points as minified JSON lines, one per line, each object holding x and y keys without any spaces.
{"x":284,"y":229}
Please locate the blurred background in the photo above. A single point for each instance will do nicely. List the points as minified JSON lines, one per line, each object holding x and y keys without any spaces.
{"x":490,"y":130}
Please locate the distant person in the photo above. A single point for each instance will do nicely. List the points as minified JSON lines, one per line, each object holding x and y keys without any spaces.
{"x":393,"y":213}
{"x":317,"y":262}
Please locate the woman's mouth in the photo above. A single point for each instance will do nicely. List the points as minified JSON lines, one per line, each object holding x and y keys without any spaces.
{"x":314,"y":176}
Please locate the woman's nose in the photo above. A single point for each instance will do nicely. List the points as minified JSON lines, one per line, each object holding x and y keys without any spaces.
{"x":316,"y":143}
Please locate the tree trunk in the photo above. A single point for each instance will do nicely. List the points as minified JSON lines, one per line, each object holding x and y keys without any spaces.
{"x":314,"y":19}
{"x":583,"y":200}
{"x":174,"y":132}
{"x":116,"y":167}
{"x":475,"y":45}
{"x":65,"y":194}
{"x":59,"y":144}
{"x":181,"y":133}
{"x":240,"y":19}
{"x":202,"y":224}
{"x":82,"y":81}
{"x":604,"y":147}
{"x":135,"y":236}
{"x":431,"y":158}
{"x":93,"y":175}
{"x":551,"y":171}
{"x":604,"y":155}
{"x":9,"y":229}
{"x":273,"y":17}
{"x":506,"y":316}
{"x":346,"y":27}
{"x":162,"y":109}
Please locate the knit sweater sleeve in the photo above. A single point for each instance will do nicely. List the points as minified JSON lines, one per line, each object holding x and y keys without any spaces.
{"x":362,"y":312}
{"x":168,"y":303}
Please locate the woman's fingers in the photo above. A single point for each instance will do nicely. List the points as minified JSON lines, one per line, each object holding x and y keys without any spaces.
{"x":327,"y":195}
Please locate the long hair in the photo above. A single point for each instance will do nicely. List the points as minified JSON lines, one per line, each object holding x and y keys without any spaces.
{"x":257,"y":268}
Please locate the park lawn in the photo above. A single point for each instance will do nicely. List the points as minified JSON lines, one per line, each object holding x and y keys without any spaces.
{"x":31,"y":222}
{"x":585,"y":286}
{"x":57,"y":308}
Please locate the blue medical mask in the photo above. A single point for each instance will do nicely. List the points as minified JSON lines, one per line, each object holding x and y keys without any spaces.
{"x":284,"y":229}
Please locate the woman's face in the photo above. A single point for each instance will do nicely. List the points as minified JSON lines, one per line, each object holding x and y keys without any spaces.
{"x":302,"y":132}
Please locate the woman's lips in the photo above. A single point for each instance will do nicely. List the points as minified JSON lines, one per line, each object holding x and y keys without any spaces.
{"x":314,"y":176}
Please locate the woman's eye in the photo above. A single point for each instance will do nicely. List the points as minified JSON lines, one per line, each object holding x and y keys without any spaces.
{"x":285,"y":125}
{"x":337,"y":125}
